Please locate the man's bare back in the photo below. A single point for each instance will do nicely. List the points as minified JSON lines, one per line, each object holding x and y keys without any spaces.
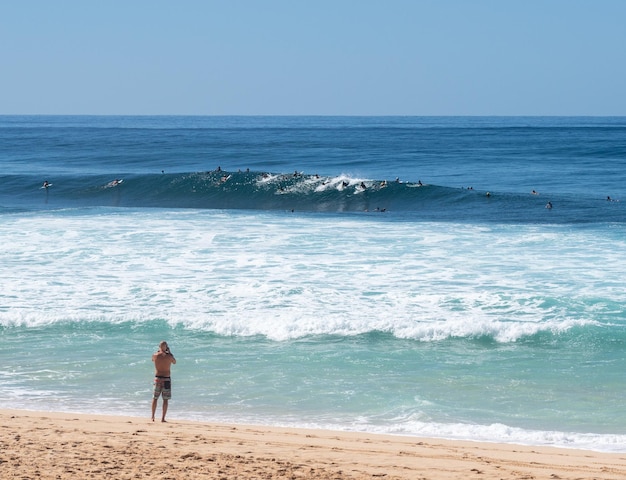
{"x":162,"y":361}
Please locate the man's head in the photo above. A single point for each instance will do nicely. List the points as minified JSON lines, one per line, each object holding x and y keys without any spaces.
{"x":163,"y":346}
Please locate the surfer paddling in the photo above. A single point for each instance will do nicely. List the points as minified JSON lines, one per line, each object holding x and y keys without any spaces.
{"x":114,"y":183}
{"x":163,"y":360}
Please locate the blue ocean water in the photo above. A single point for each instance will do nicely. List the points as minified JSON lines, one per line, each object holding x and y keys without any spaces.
{"x":384,"y":274}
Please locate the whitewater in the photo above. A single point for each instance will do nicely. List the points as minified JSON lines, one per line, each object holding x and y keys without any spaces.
{"x":392,"y":275}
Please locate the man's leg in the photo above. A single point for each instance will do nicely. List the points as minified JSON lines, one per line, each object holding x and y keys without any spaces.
{"x":154,"y":405}
{"x":165,"y":402}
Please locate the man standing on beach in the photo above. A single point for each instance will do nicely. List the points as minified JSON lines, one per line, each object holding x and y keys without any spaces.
{"x":162,"y":359}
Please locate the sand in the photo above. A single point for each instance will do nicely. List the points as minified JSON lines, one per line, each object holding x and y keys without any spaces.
{"x":75,"y":446}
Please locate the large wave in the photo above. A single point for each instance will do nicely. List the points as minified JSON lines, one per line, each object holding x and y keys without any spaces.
{"x":305,"y":193}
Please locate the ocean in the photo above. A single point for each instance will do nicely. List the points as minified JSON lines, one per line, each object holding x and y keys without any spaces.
{"x":398,"y":275}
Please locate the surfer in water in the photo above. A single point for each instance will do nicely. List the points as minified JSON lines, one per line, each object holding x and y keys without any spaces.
{"x":113,"y":183}
{"x":46,"y":184}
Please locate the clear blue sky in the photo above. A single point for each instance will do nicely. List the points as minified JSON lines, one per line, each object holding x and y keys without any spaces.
{"x":317,"y":57}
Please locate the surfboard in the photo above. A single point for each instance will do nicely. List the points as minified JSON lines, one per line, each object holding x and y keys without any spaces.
{"x":46,"y":186}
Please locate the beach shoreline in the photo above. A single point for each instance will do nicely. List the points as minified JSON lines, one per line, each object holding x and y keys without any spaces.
{"x":51,"y":445}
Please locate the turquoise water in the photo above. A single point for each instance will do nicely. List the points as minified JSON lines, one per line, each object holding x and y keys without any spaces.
{"x":472,"y":326}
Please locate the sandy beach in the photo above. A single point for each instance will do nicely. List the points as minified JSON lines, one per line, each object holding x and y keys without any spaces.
{"x":75,"y":446}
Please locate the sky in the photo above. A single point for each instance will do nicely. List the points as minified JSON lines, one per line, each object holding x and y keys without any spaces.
{"x":313,"y":57}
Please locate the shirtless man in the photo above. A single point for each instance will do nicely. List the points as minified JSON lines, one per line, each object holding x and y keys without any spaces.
{"x":162,"y":359}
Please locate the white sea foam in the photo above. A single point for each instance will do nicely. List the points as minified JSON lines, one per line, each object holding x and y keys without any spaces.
{"x":505,"y":434}
{"x":286,"y":277}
